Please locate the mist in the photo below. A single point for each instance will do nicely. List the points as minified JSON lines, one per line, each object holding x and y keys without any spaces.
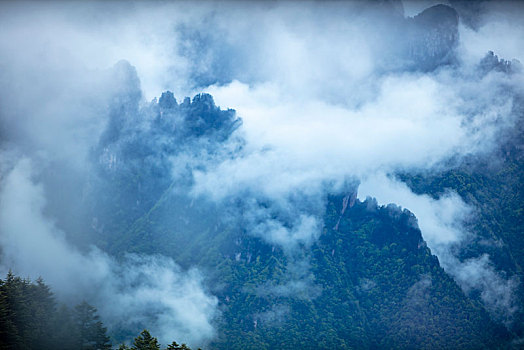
{"x":125,"y":290}
{"x":332,"y":96}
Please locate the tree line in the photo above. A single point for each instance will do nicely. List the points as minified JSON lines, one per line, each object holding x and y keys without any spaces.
{"x":31,"y":318}
{"x":145,"y":341}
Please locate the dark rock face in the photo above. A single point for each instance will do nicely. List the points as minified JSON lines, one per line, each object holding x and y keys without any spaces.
{"x":127,"y":85}
{"x":202,"y":117}
{"x":432,"y":37}
{"x":136,"y":152}
{"x":491,"y":62}
{"x":167,"y":100}
{"x":421,"y":43}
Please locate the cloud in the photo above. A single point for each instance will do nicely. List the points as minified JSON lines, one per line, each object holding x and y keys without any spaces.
{"x":497,"y":291}
{"x":310,"y":124}
{"x":299,"y":285}
{"x":500,"y":29}
{"x":313,"y":147}
{"x":329,"y":95}
{"x":439,"y":220}
{"x":153,"y":292}
{"x":131,"y":293}
{"x":60,"y":38}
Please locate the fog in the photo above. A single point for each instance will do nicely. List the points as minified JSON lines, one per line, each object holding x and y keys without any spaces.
{"x":330,"y":94}
{"x":126,"y":291}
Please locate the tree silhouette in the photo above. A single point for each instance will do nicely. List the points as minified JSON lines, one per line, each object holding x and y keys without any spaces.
{"x":145,"y":342}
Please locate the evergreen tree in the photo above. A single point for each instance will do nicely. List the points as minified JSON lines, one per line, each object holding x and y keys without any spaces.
{"x":101,"y":339}
{"x":29,"y":319}
{"x":65,"y":332}
{"x":174,"y":346}
{"x":7,"y":327}
{"x":145,"y":342}
{"x":42,"y":309}
{"x":14,"y":290}
{"x":92,"y":334}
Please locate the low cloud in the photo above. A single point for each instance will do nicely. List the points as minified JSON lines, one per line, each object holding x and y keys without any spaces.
{"x":131,"y":293}
{"x":330,"y":94}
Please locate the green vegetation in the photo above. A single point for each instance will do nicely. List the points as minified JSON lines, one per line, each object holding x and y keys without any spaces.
{"x":145,"y":341}
{"x":371,"y":283}
{"x":368,"y":282}
{"x":30,"y":319}
{"x":492,"y":185}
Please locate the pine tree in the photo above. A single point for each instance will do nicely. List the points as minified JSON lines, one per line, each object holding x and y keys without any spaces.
{"x":92,"y":334}
{"x":101,"y":339}
{"x":29,"y":319}
{"x":43,"y":308}
{"x":14,"y":290}
{"x":174,"y":346}
{"x":65,"y":332}
{"x":145,"y":342}
{"x":7,"y":327}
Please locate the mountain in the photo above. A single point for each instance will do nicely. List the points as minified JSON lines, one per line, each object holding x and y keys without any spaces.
{"x":368,"y":282}
{"x":432,"y":37}
{"x":492,"y":184}
{"x":313,"y":267}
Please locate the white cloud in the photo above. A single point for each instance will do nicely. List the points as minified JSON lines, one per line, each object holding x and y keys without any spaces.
{"x":501,"y":30}
{"x":314,"y":84}
{"x":131,"y":294}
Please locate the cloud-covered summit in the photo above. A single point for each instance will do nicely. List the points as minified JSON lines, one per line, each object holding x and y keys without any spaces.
{"x":98,"y":135}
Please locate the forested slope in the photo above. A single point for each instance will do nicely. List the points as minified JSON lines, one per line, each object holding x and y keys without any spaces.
{"x":492,"y":185}
{"x":301,"y":263}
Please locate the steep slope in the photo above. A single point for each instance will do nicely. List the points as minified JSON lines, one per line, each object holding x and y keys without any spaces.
{"x":369,"y":280}
{"x":147,"y":154}
{"x":432,"y":37}
{"x":369,"y":283}
{"x":491,"y":184}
